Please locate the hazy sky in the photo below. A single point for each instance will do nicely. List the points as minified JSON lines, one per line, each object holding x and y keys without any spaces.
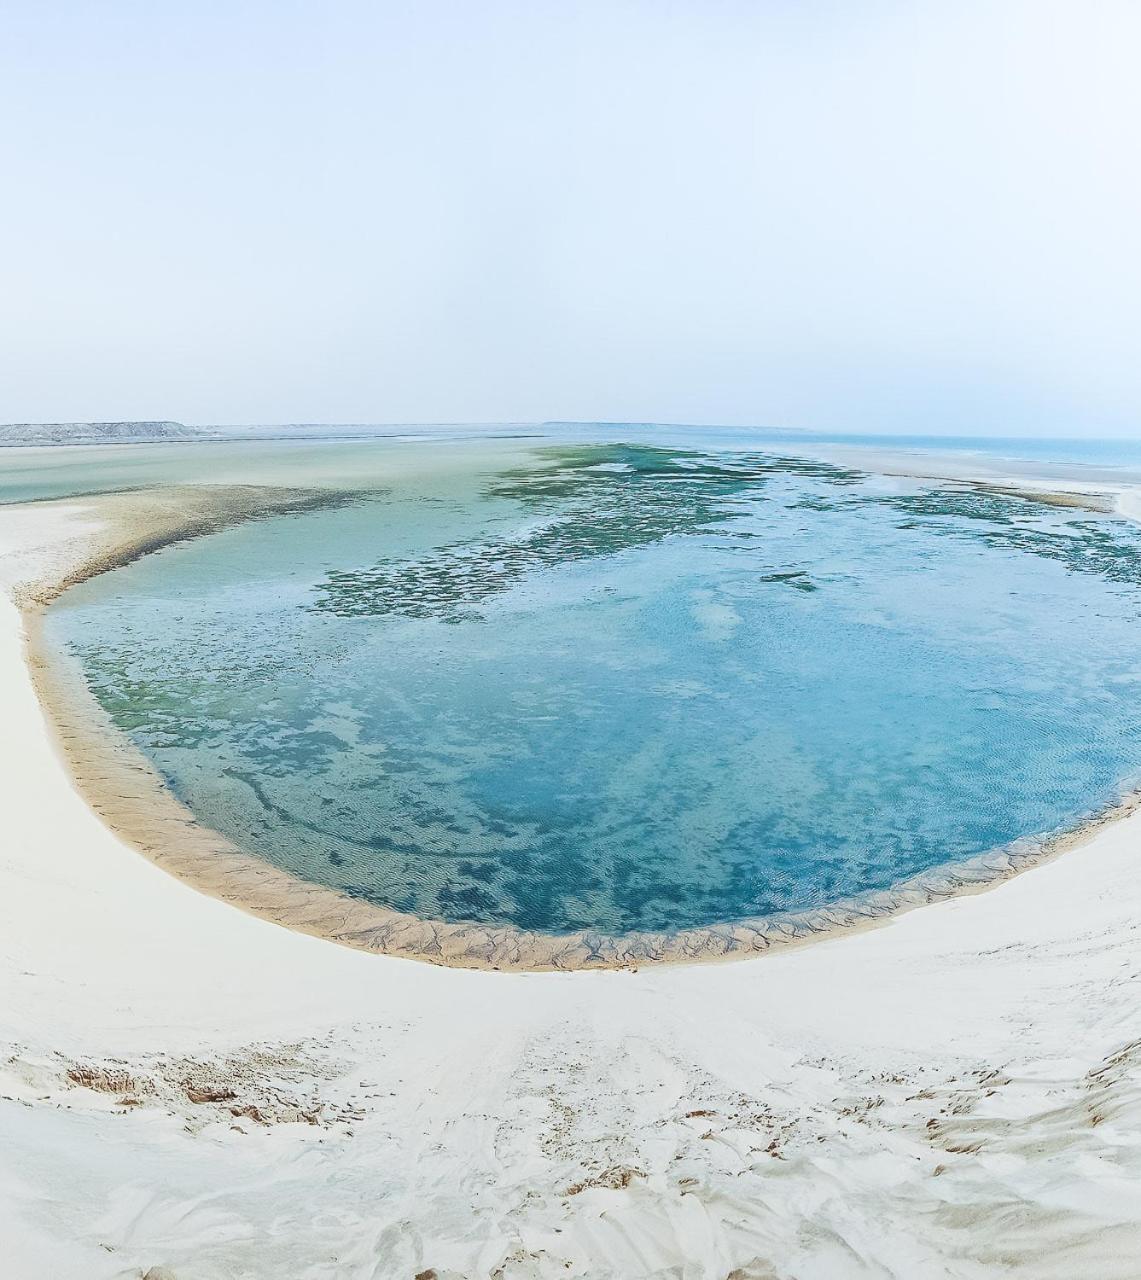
{"x":897,"y":216}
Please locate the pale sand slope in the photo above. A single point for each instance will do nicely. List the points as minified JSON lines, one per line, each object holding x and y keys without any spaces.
{"x":957,"y":1093}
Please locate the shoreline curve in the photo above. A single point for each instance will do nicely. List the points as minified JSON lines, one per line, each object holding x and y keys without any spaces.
{"x":129,"y":795}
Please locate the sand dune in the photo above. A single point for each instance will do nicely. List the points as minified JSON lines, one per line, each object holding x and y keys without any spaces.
{"x":955,"y":1094}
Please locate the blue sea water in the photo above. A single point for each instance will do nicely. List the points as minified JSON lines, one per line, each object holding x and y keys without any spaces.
{"x":626,"y":681}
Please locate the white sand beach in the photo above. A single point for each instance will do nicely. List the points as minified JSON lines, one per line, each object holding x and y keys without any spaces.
{"x":190,"y":1091}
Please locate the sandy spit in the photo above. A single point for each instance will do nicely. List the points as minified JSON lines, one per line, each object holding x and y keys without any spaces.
{"x":956,"y":1093}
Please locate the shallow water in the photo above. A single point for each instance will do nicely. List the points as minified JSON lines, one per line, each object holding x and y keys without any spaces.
{"x":321,"y":456}
{"x":624,"y":686}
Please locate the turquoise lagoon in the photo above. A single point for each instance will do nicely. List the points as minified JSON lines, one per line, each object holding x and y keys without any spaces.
{"x":622,"y":684}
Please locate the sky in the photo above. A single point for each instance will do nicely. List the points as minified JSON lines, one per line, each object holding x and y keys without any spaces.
{"x":868,"y":216}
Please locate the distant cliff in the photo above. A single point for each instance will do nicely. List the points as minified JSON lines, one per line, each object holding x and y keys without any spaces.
{"x":13,"y":433}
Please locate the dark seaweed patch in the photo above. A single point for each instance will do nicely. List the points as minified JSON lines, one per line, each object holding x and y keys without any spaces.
{"x":590,"y":502}
{"x":797,"y":579}
{"x":1109,"y":549}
